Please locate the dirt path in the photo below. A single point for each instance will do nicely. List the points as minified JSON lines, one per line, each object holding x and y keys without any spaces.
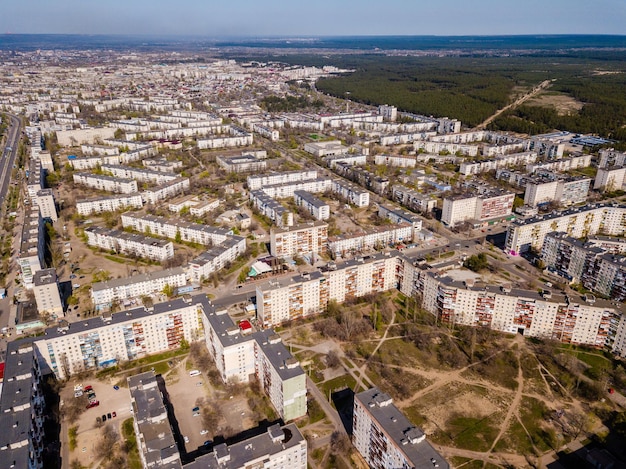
{"x":540,"y":87}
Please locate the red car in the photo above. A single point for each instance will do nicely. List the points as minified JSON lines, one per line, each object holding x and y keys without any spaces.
{"x":93,"y":404}
{"x":87,"y":388}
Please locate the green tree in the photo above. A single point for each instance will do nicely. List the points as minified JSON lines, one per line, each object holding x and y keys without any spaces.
{"x":477,"y":263}
{"x":168,"y":290}
{"x":178,"y":238}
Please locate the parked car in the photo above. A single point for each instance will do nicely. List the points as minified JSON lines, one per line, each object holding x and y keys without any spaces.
{"x":203,"y":432}
{"x":87,"y":388}
{"x":207,"y":443}
{"x":196,"y":414}
{"x":186,"y":438}
{"x":98,"y":420}
{"x":114,"y":414}
{"x":104,"y":418}
{"x":93,"y":404}
{"x":116,"y":387}
{"x":78,"y":393}
{"x":195,"y":409}
{"x":109,"y":416}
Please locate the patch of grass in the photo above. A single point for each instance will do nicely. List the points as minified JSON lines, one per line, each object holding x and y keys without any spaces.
{"x":475,"y":434}
{"x":414,"y":415}
{"x":315,"y":411}
{"x":533,"y":414}
{"x":338,"y":383}
{"x":128,"y":433}
{"x":72,"y":434}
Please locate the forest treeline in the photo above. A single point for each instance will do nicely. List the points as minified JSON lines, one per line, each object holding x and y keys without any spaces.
{"x":472,"y":89}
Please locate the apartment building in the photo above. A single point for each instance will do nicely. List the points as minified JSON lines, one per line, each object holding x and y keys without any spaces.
{"x":118,"y":337}
{"x":609,"y":157}
{"x":328,"y":148}
{"x":169,"y":228}
{"x":370,"y":181}
{"x":258,"y":182}
{"x":610,"y":178}
{"x":303,"y":295}
{"x":395,"y":160}
{"x":351,"y":159}
{"x":30,"y":257}
{"x":106,"y":183}
{"x":141,"y":175}
{"x":23,"y":408}
{"x":271,"y":208}
{"x":166,"y":190}
{"x":237,"y":137}
{"x":476,"y":208}
{"x":239,"y":356}
{"x":470,"y":167}
{"x":376,"y":237}
{"x":412,"y":199}
{"x":397,"y":216}
{"x":277,"y":448}
{"x":279,"y":301}
{"x":267,"y":132}
{"x":316,"y":207}
{"x":216,"y":258}
{"x":242,"y":163}
{"x":385,"y":438}
{"x":197,"y":207}
{"x":130,"y":244}
{"x":577,"y":222}
{"x":162,"y":164}
{"x":568,"y":319}
{"x":287,"y":190}
{"x":153,"y":432}
{"x":303,"y":239}
{"x":91,"y":162}
{"x":34,"y":178}
{"x":108,"y":204}
{"x":47,"y":295}
{"x":351,"y":193}
{"x":564,"y":164}
{"x":44,"y":199}
{"x":103,"y":294}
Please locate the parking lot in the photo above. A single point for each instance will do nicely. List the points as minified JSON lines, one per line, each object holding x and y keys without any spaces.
{"x":89,"y":432}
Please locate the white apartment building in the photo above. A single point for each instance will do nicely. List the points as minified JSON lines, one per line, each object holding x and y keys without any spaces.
{"x":287,"y":190}
{"x":578,"y":222}
{"x":350,"y":192}
{"x":237,"y":138}
{"x":168,"y":228}
{"x":316,"y":207}
{"x":395,"y":160}
{"x":242,"y":163}
{"x":386,"y":439}
{"x":197,"y":207}
{"x":103,"y":294}
{"x":113,"y":338}
{"x":412,"y":199}
{"x":141,"y":175}
{"x":91,"y":162}
{"x":47,"y":207}
{"x":108,"y":204}
{"x":610,"y":179}
{"x":377,"y":237}
{"x":397,"y":216}
{"x":47,"y":295}
{"x":216,"y":258}
{"x":467,"y":207}
{"x":564,"y":164}
{"x":565,"y":191}
{"x":267,"y":132}
{"x":569,"y":320}
{"x":271,"y":208}
{"x":609,"y":157}
{"x":129,"y":243}
{"x":469,"y":167}
{"x":106,"y":183}
{"x":283,"y":300}
{"x":256,"y":182}
{"x":30,"y":258}
{"x":354,"y":160}
{"x":452,"y":148}
{"x":304,"y":239}
{"x":166,"y":190}
{"x":328,"y":148}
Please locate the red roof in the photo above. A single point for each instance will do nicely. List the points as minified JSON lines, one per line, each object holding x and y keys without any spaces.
{"x":244,"y":325}
{"x":2,"y":370}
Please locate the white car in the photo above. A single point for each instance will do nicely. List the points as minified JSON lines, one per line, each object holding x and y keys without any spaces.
{"x":186,"y":438}
{"x":203,"y":432}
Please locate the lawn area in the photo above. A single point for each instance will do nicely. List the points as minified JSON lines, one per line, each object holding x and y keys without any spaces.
{"x":337,"y":384}
{"x":128,"y":433}
{"x":475,"y":434}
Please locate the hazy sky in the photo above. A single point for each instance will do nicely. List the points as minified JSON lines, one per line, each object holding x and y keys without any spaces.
{"x":214,"y":18}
